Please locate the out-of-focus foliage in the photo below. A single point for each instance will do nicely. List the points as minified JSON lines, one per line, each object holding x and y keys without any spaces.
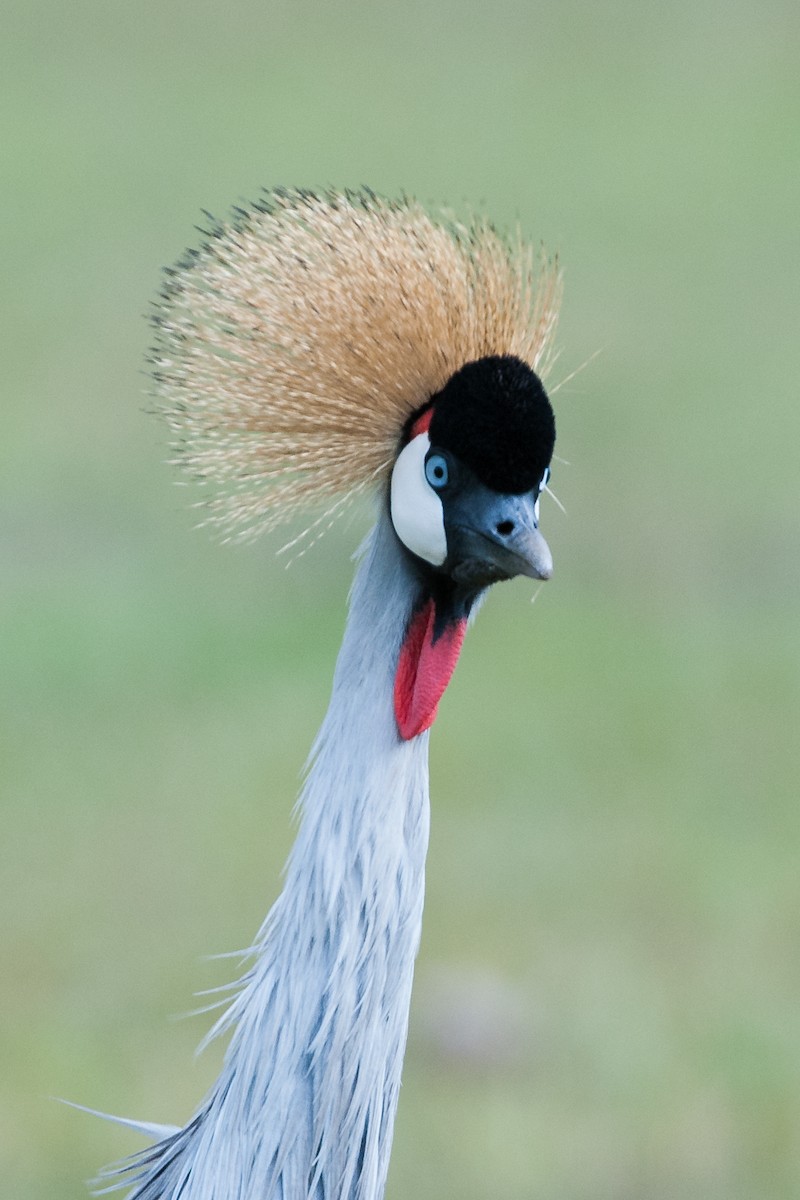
{"x":609,"y":985}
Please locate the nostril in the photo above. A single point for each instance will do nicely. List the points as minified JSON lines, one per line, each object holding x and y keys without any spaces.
{"x":504,"y":528}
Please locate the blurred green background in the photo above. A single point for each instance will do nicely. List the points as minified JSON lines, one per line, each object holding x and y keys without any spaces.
{"x":608,"y":999}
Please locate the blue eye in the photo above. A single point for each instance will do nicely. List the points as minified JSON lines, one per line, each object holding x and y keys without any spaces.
{"x":437,"y":471}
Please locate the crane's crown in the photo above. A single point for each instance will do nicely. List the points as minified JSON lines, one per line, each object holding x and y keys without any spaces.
{"x":494,"y":415}
{"x":296,"y":344}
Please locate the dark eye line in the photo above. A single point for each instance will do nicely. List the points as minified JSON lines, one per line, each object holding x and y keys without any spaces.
{"x":439,"y":472}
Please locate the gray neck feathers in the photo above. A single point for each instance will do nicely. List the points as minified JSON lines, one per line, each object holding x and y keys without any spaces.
{"x":305,"y":1104}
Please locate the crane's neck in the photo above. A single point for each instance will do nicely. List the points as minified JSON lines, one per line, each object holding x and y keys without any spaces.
{"x":366,"y":781}
{"x":305,"y":1105}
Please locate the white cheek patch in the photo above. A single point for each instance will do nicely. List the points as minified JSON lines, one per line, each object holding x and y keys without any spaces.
{"x":541,"y":488}
{"x":417,"y":513}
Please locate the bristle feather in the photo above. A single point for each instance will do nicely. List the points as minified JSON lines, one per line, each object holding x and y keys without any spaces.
{"x":292,"y":348}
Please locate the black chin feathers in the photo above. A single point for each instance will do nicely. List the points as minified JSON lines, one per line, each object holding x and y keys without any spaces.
{"x":494,"y":416}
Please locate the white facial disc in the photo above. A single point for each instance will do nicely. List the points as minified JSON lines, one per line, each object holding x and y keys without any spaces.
{"x":417,"y":513}
{"x":540,"y":489}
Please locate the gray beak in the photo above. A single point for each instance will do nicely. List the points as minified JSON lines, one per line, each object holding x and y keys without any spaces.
{"x":491,"y":536}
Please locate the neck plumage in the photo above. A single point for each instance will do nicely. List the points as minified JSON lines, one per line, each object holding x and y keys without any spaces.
{"x":304,"y":1107}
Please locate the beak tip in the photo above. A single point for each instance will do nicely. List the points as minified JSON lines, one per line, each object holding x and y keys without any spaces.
{"x":538,"y":556}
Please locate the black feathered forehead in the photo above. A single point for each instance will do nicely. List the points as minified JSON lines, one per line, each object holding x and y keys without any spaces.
{"x":494,"y":415}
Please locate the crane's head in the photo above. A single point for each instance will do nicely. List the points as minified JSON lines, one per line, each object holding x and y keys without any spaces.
{"x":464,"y":502}
{"x":465,"y":488}
{"x":318,"y":344}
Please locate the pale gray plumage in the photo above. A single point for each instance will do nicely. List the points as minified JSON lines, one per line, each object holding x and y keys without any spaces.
{"x":305,"y":1103}
{"x":311,"y":346}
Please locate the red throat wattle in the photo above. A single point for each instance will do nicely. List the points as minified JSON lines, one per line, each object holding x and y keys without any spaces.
{"x":424,"y":669}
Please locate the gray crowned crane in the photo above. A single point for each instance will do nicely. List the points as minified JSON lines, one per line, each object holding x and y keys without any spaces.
{"x":315,"y":346}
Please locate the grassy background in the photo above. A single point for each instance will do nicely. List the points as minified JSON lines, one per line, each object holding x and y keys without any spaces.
{"x":609,"y":988}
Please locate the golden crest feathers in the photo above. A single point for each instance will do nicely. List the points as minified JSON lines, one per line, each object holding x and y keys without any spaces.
{"x":293,"y":346}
